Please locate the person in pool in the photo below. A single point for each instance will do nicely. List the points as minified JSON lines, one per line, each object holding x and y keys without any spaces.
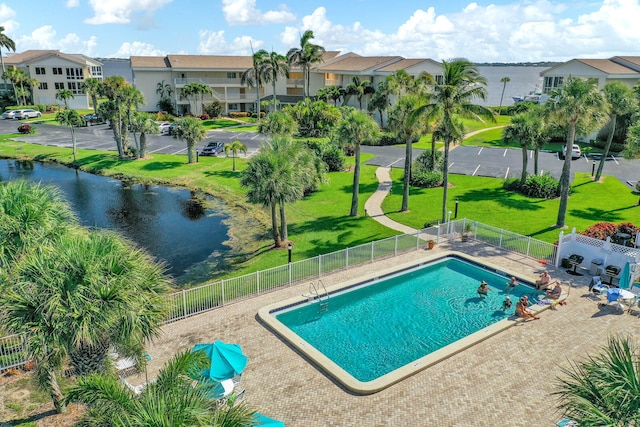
{"x":506,"y":304}
{"x":483,"y":289}
{"x":513,"y":283}
{"x":523,"y":311}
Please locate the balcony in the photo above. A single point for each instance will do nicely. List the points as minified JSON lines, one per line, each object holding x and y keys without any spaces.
{"x":332,"y":82}
{"x":208,"y":81}
{"x":295,"y":82}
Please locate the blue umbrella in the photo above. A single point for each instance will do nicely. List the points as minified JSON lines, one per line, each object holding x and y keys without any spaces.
{"x":227,"y":360}
{"x":263,"y":420}
{"x":624,"y":277}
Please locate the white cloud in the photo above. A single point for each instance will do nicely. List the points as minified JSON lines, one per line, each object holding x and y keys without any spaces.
{"x":121,"y":11}
{"x":214,"y":43}
{"x":6,"y":19}
{"x":45,"y":37}
{"x":73,"y":3}
{"x":128,"y":49}
{"x":245,"y":12}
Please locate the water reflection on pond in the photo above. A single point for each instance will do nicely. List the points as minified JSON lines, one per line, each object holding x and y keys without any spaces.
{"x":173,"y":224}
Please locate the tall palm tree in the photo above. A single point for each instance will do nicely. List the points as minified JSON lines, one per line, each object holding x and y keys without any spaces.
{"x":234,"y":148}
{"x":621,"y":100}
{"x":114,"y":88}
{"x":191,"y":131}
{"x":305,"y":56}
{"x":64,"y":95}
{"x":461,"y":85}
{"x":252,"y":77}
{"x":274,"y":65}
{"x":603,"y":390}
{"x":381,"y":100}
{"x":92,"y":87}
{"x":17,"y":77}
{"x":525,"y":128}
{"x":143,"y":125}
{"x":71,"y":119}
{"x":400,"y":83}
{"x":578,"y":102}
{"x":79,"y":297}
{"x":359,"y":88}
{"x":171,"y":401}
{"x":504,"y":82}
{"x":9,"y":44}
{"x":194,"y":93}
{"x":408,"y":132}
{"x":357,"y":128}
{"x":131,"y":98}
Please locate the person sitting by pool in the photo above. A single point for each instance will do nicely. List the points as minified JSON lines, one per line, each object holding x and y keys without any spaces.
{"x":483,"y":289}
{"x":506,"y":304}
{"x":555,"y":291}
{"x":523,"y":311}
{"x":513,"y":283}
{"x":543,"y":281}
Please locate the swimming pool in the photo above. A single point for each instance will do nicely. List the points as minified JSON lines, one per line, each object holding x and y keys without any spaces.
{"x":376,"y":331}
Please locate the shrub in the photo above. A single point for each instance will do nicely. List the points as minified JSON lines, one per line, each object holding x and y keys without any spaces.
{"x":427,"y":179}
{"x":25,"y":128}
{"x":602,"y":230}
{"x":388,"y":139}
{"x":237,"y":114}
{"x":541,"y":186}
{"x":164,"y":116}
{"x":425,"y":162}
{"x":213,"y":109}
{"x":262,"y":114}
{"x":204,"y":117}
{"x":616,"y":147}
{"x":166,"y":104}
{"x":333,"y":157}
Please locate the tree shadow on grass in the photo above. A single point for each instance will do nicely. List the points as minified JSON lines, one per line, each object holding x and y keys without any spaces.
{"x":364,"y":188}
{"x":155,"y":166}
{"x":599,"y":215}
{"x":503,"y":197}
{"x":222,"y":174}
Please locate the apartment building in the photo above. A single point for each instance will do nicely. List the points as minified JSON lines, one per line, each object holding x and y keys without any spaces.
{"x":55,"y":70}
{"x":625,"y":69}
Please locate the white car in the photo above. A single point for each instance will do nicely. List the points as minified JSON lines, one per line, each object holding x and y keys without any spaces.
{"x":575,"y":151}
{"x":27,"y":114}
{"x":9,"y":114}
{"x":164,"y":127}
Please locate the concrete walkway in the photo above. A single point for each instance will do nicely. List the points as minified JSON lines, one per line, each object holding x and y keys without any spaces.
{"x":373,"y":206}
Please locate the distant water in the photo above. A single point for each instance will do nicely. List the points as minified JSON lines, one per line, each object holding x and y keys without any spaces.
{"x":523,"y":80}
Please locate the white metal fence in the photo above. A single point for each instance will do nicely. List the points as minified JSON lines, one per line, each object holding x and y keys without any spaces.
{"x":193,"y":301}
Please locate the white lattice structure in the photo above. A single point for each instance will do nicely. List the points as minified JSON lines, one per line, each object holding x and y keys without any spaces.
{"x":596,"y":249}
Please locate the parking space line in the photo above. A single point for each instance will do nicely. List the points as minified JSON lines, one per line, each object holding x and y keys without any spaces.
{"x":480,"y":151}
{"x":451,"y":164}
{"x":586,"y":159}
{"x":155,"y":151}
{"x":614,"y":159}
{"x":506,"y":175}
{"x":505,"y":152}
{"x":257,"y":135}
{"x":180,"y":151}
{"x":393,"y":163}
{"x":475,"y":171}
{"x":531,"y":154}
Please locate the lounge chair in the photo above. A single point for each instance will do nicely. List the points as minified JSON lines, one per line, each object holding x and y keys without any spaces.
{"x":596,"y":286}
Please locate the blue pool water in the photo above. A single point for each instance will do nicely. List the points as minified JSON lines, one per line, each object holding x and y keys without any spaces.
{"x":373,"y":329}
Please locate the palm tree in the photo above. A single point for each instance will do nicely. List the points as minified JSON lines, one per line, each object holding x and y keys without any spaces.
{"x":164,"y":90}
{"x":359,"y":89}
{"x":131,"y":99}
{"x":64,"y":95}
{"x":9,"y":44}
{"x":278,"y":123}
{"x":381,"y":100}
{"x":525,"y":128}
{"x":408,"y":132}
{"x":274,"y":65}
{"x":252,"y":76}
{"x":143,"y":125}
{"x":577,"y":103}
{"x":461,"y":84}
{"x":31,"y":215}
{"x":17,"y":77}
{"x":233,"y":148}
{"x":400,"y":83}
{"x":305,"y":56}
{"x":357,"y":128}
{"x":604,"y":390}
{"x":82,"y":295}
{"x":170,"y":401}
{"x":114,"y":88}
{"x":504,"y":82}
{"x":621,"y":100}
{"x":92,"y":87}
{"x":71,"y":119}
{"x":191,"y":131}
{"x":196,"y":91}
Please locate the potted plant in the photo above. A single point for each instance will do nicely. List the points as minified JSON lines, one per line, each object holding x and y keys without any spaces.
{"x":431,"y":243}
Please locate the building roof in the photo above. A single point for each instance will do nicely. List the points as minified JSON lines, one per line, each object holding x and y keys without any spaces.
{"x":632,"y":59}
{"x":210,"y":62}
{"x":29,"y":56}
{"x":607,"y":66}
{"x":149,"y":62}
{"x":358,"y":63}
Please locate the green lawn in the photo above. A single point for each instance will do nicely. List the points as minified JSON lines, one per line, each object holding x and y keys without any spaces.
{"x":483,"y":199}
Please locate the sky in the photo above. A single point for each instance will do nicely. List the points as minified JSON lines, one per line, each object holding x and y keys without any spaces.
{"x":483,"y":31}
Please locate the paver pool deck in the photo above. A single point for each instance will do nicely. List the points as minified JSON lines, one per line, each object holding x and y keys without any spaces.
{"x":505,"y":380}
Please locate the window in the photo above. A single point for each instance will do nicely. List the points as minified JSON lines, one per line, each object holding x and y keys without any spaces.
{"x":40,"y":70}
{"x":59,"y":85}
{"x":57,"y":70}
{"x":232,"y":75}
{"x":75,"y":87}
{"x":439,"y":79}
{"x":44,"y":86}
{"x":233,"y":107}
{"x":74,"y":74}
{"x":551,"y":83}
{"x":96,"y":71}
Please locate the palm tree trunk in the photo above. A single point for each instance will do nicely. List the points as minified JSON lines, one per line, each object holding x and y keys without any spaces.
{"x":73,"y":142}
{"x":59,"y":402}
{"x":190,"y":151}
{"x":143,"y":146}
{"x":117,"y":129}
{"x":283,"y":223}
{"x":564,"y":178}
{"x":274,"y":227}
{"x":445,"y":180}
{"x":407,"y":175}
{"x":504,"y":86}
{"x":535,"y":160}
{"x":4,"y":81}
{"x":381,"y":119}
{"x":233,"y":156}
{"x":257,"y":97}
{"x":614,"y":119}
{"x":274,"y":94}
{"x":433,"y":154}
{"x":523,"y":176}
{"x":356,"y":182}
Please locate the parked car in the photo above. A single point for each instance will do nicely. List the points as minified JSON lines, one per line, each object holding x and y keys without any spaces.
{"x":27,"y":114}
{"x":212,"y":148}
{"x":93,"y":119}
{"x":164,"y":127}
{"x":575,"y":151}
{"x":9,"y":114}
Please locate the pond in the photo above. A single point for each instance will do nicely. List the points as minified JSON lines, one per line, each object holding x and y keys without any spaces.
{"x":172,"y":224}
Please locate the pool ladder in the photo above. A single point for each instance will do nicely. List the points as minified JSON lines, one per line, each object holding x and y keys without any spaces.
{"x":323,"y":299}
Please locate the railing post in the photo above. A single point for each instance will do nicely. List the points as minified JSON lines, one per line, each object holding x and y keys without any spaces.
{"x":289,"y":273}
{"x":347,"y":258}
{"x":418,"y":240}
{"x":438,"y":233}
{"x":184,"y":303}
{"x":500,"y":243}
{"x":559,"y":249}
{"x":223,"y":292}
{"x":319,"y":265}
{"x":372,"y":246}
{"x":258,"y":281}
{"x":395,"y":250}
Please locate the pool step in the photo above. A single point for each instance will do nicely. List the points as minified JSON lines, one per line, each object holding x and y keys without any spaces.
{"x":323,"y":306}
